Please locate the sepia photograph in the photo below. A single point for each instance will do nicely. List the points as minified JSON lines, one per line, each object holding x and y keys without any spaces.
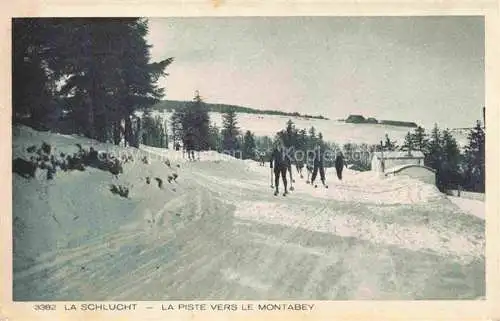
{"x":248,"y":158}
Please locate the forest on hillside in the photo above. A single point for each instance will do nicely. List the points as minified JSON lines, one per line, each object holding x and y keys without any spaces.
{"x":174,"y":105}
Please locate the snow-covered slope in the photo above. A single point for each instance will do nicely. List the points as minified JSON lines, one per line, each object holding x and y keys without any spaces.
{"x":332,"y":130}
{"x":220,"y":233}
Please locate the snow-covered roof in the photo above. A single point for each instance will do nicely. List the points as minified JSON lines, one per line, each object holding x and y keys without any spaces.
{"x":399,"y":168}
{"x":399,"y":154}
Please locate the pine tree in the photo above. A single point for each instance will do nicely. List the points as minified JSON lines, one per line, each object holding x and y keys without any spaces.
{"x":475,"y":159}
{"x":264,"y":143}
{"x":348,"y":149}
{"x":165,"y":132}
{"x":105,"y":68}
{"x":176,"y":122}
{"x":301,"y":143}
{"x":32,"y":84}
{"x":230,"y":130}
{"x":249,"y":145}
{"x":389,"y":144}
{"x":450,"y":158}
{"x":195,"y":122}
{"x":419,"y":139}
{"x":312,"y":132}
{"x":290,"y":135}
{"x":312,"y":138}
{"x":408,"y":143}
{"x":433,"y":158}
{"x":214,"y":138}
{"x":320,"y":138}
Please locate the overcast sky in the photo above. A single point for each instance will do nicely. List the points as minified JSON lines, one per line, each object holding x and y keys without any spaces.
{"x":423,"y":69}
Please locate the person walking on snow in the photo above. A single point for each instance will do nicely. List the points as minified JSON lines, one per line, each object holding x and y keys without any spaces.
{"x":262,"y":155}
{"x":309,"y":169}
{"x":299,"y":164}
{"x":279,"y":163}
{"x":318,"y":166}
{"x":289,"y":160}
{"x":339,"y":164}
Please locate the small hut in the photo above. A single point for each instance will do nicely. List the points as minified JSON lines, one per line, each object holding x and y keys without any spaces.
{"x":409,"y":163}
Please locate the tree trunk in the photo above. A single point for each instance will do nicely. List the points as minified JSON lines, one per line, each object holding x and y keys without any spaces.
{"x":117,"y":132}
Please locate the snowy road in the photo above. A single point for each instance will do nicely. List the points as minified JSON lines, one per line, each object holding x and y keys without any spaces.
{"x":223,"y":235}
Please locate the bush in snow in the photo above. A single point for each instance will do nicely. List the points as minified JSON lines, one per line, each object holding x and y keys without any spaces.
{"x":46,"y":148}
{"x":160,"y":182}
{"x":24,"y":168}
{"x":121,"y":190}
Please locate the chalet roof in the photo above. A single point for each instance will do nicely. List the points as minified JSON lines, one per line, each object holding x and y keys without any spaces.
{"x":399,"y":168}
{"x":400,"y":155}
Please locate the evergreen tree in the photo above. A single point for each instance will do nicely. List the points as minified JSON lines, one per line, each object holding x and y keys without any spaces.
{"x":312,"y":138}
{"x":320,"y":138}
{"x":433,"y":157}
{"x":230,"y":131}
{"x":193,"y":122}
{"x":301,"y":142}
{"x":450,"y":158}
{"x":419,"y":139}
{"x":154,"y":132}
{"x":312,"y":133}
{"x":408,"y":142}
{"x":104,"y":66}
{"x":249,"y":145}
{"x":290,"y":138}
{"x":389,"y":144}
{"x":264,"y":144}
{"x":200,"y":122}
{"x":31,"y":81}
{"x":176,"y":122}
{"x":214,"y":138}
{"x":475,"y":159}
{"x":348,"y":149}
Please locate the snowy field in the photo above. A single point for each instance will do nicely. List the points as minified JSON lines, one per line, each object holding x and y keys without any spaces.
{"x":332,"y":130}
{"x":219,"y":233}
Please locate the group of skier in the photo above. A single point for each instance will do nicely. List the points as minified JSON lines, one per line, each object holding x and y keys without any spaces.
{"x":281,"y":162}
{"x":282,"y":159}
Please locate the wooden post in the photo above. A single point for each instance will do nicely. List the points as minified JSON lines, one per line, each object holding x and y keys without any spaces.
{"x":382,"y":157}
{"x":484,"y":117}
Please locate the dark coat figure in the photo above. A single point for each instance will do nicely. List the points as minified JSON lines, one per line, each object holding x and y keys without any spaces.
{"x":177,"y":146}
{"x":339,"y":165}
{"x":318,"y":166}
{"x":280,"y":163}
{"x":262,"y":155}
{"x":289,"y":160}
{"x":189,"y":146}
{"x":299,"y":164}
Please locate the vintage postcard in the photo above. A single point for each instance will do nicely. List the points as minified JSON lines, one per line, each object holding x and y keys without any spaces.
{"x":223,"y":162}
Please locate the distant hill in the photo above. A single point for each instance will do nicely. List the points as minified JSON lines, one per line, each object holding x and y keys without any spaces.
{"x":359,"y":119}
{"x":172,"y":105}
